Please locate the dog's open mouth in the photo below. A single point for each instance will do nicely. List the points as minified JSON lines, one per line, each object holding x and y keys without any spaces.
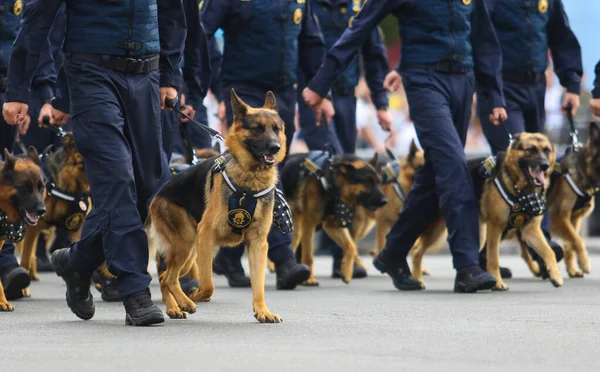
{"x":268,"y":159}
{"x":537,"y":178}
{"x":29,"y":218}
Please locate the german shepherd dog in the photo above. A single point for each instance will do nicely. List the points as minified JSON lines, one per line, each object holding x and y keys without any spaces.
{"x":571,"y":200}
{"x":201,"y":208}
{"x":350,"y":182}
{"x":22,"y":194}
{"x":65,"y":169}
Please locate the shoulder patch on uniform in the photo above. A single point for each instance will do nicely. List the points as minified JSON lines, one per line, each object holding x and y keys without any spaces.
{"x":356,"y":5}
{"x":298,"y":16}
{"x":201,"y":5}
{"x":466,"y":2}
{"x":301,"y":1}
{"x":543,"y":6}
{"x":18,"y":7}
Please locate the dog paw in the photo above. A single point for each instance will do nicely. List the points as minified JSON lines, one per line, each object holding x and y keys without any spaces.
{"x":26,"y":292}
{"x":311,"y":282}
{"x":425,"y":272}
{"x":574,"y":273}
{"x":556,"y":280}
{"x":201,"y":296}
{"x":177,"y":314}
{"x":5,"y":306}
{"x":584,"y":263}
{"x":267,"y":317}
{"x":188,"y":308}
{"x":534,"y":267}
{"x":500,"y":286}
{"x":271,"y":266}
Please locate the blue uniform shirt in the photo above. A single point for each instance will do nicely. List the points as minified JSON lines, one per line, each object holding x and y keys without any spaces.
{"x":334,"y":17}
{"x":456,"y":31}
{"x":39,"y":16}
{"x":596,"y":90}
{"x":265,"y":40}
{"x":9,"y":26}
{"x":526,"y":30}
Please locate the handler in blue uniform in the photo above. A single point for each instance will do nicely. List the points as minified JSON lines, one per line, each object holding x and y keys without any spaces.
{"x":526,"y":30}
{"x":113,"y":57}
{"x":266,"y":41}
{"x":595,"y":101}
{"x":442,"y":42}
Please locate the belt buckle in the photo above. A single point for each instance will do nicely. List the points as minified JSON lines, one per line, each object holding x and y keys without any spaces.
{"x":134,"y":65}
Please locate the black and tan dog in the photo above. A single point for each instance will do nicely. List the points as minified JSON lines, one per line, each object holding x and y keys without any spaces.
{"x":22,"y":194}
{"x":68,"y":201}
{"x":571,"y":199}
{"x":221,"y":202}
{"x":324,"y":191}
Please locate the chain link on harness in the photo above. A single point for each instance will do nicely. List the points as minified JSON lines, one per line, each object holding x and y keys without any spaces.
{"x":12,"y":231}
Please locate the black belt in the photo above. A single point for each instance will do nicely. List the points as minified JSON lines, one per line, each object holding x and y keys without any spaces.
{"x":523,"y":77}
{"x":448,"y":67}
{"x":134,"y":66}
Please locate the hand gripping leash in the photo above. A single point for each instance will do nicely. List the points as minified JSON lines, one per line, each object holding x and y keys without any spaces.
{"x":55,"y":128}
{"x":574,"y":132}
{"x":172,"y":104}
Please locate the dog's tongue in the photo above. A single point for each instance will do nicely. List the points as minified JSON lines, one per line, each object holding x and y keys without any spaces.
{"x":539,"y":176}
{"x":32,"y":218}
{"x":269,"y":157}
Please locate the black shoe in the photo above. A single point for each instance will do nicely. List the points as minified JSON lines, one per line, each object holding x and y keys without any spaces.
{"x":400,"y":275}
{"x":505,"y":272}
{"x":140,"y":310}
{"x":188,"y":285}
{"x":358,"y":273}
{"x":106,"y":286}
{"x":79,"y":297}
{"x":290,"y":273}
{"x":14,"y":281}
{"x":44,"y":265}
{"x":472,"y":279}
{"x":234,"y":272}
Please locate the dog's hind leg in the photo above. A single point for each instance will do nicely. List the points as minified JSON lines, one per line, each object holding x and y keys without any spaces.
{"x":307,"y":233}
{"x":533,"y":236}
{"x":579,"y":246}
{"x":417,"y":252}
{"x":257,"y":257}
{"x":494,"y":234}
{"x":204,"y":246}
{"x":341,"y":236}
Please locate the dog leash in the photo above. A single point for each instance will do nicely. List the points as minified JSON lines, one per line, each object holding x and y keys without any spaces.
{"x":328,"y":147}
{"x":55,"y":128}
{"x":171,"y":103}
{"x":510,"y":137}
{"x":574,"y":132}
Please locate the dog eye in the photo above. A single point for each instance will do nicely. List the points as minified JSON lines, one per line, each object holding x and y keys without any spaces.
{"x":531,"y":150}
{"x":547,"y":150}
{"x":41,"y":186}
{"x":259,"y":129}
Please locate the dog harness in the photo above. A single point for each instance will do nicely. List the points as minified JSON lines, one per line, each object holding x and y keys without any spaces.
{"x":12,"y":231}
{"x":523,"y":206}
{"x":79,"y":203}
{"x":242,"y":204}
{"x":391,"y":172}
{"x":318,"y":164}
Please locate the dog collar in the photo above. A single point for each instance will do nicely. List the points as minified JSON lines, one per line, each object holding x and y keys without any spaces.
{"x":242,"y":203}
{"x":523,"y":207}
{"x":12,"y":231}
{"x":391,"y":171}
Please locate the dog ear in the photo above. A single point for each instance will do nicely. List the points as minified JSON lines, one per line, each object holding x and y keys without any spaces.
{"x":375,"y":160}
{"x":33,"y":155}
{"x":238,"y":107}
{"x":217,"y":147}
{"x":343,"y":167}
{"x":594,"y":133}
{"x":516,"y":138}
{"x":270,"y":102}
{"x":413,"y":149}
{"x":9,"y":162}
{"x":68,"y":142}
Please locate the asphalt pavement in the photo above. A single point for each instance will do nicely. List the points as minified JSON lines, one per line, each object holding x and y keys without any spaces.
{"x":364,"y":326}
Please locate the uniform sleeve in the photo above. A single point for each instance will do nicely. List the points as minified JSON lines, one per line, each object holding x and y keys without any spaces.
{"x":487,"y":55}
{"x":215,"y":66}
{"x":172,"y":31}
{"x":311,"y":46}
{"x":376,"y":68}
{"x":214,"y":16}
{"x":196,"y":66}
{"x":44,"y":80}
{"x":565,"y":49}
{"x":596,"y":90}
{"x":63,"y":99}
{"x":35,"y":25}
{"x":346,"y":48}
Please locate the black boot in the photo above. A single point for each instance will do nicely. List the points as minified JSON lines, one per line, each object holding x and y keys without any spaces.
{"x":290,"y":273}
{"x":188,"y":285}
{"x":233,"y":271}
{"x":400,"y":274}
{"x":14,"y":281}
{"x":106,"y":286}
{"x":359,"y":272}
{"x":140,"y":310}
{"x":472,"y":279}
{"x":505,"y":272}
{"x":79,"y":297}
{"x":44,"y":265}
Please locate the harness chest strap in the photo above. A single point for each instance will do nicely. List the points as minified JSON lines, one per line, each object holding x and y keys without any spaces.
{"x":391,"y":171}
{"x":522,"y":208}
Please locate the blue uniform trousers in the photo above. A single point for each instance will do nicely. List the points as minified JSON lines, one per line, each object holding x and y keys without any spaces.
{"x":279,"y":244}
{"x":116,"y":124}
{"x":440,"y":107}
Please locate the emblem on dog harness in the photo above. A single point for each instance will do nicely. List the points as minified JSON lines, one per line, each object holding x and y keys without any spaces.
{"x":522,"y":207}
{"x":517,"y":220}
{"x":74,"y":221}
{"x":239,"y":218}
{"x":12,"y":231}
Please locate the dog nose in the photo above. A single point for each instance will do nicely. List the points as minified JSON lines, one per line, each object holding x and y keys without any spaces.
{"x":273,"y":148}
{"x":41,"y":211}
{"x":544,"y":166}
{"x":381,"y":202}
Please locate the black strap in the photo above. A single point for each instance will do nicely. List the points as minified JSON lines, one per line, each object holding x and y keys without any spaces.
{"x":135,"y":66}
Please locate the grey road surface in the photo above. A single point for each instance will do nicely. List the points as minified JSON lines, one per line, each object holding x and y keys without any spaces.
{"x":364,"y":326}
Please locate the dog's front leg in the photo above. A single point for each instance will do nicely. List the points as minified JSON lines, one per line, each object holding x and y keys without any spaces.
{"x":204,"y":247}
{"x":579,"y":246}
{"x":341,"y":236}
{"x":533,"y":236}
{"x":494,"y":234}
{"x":257,"y":256}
